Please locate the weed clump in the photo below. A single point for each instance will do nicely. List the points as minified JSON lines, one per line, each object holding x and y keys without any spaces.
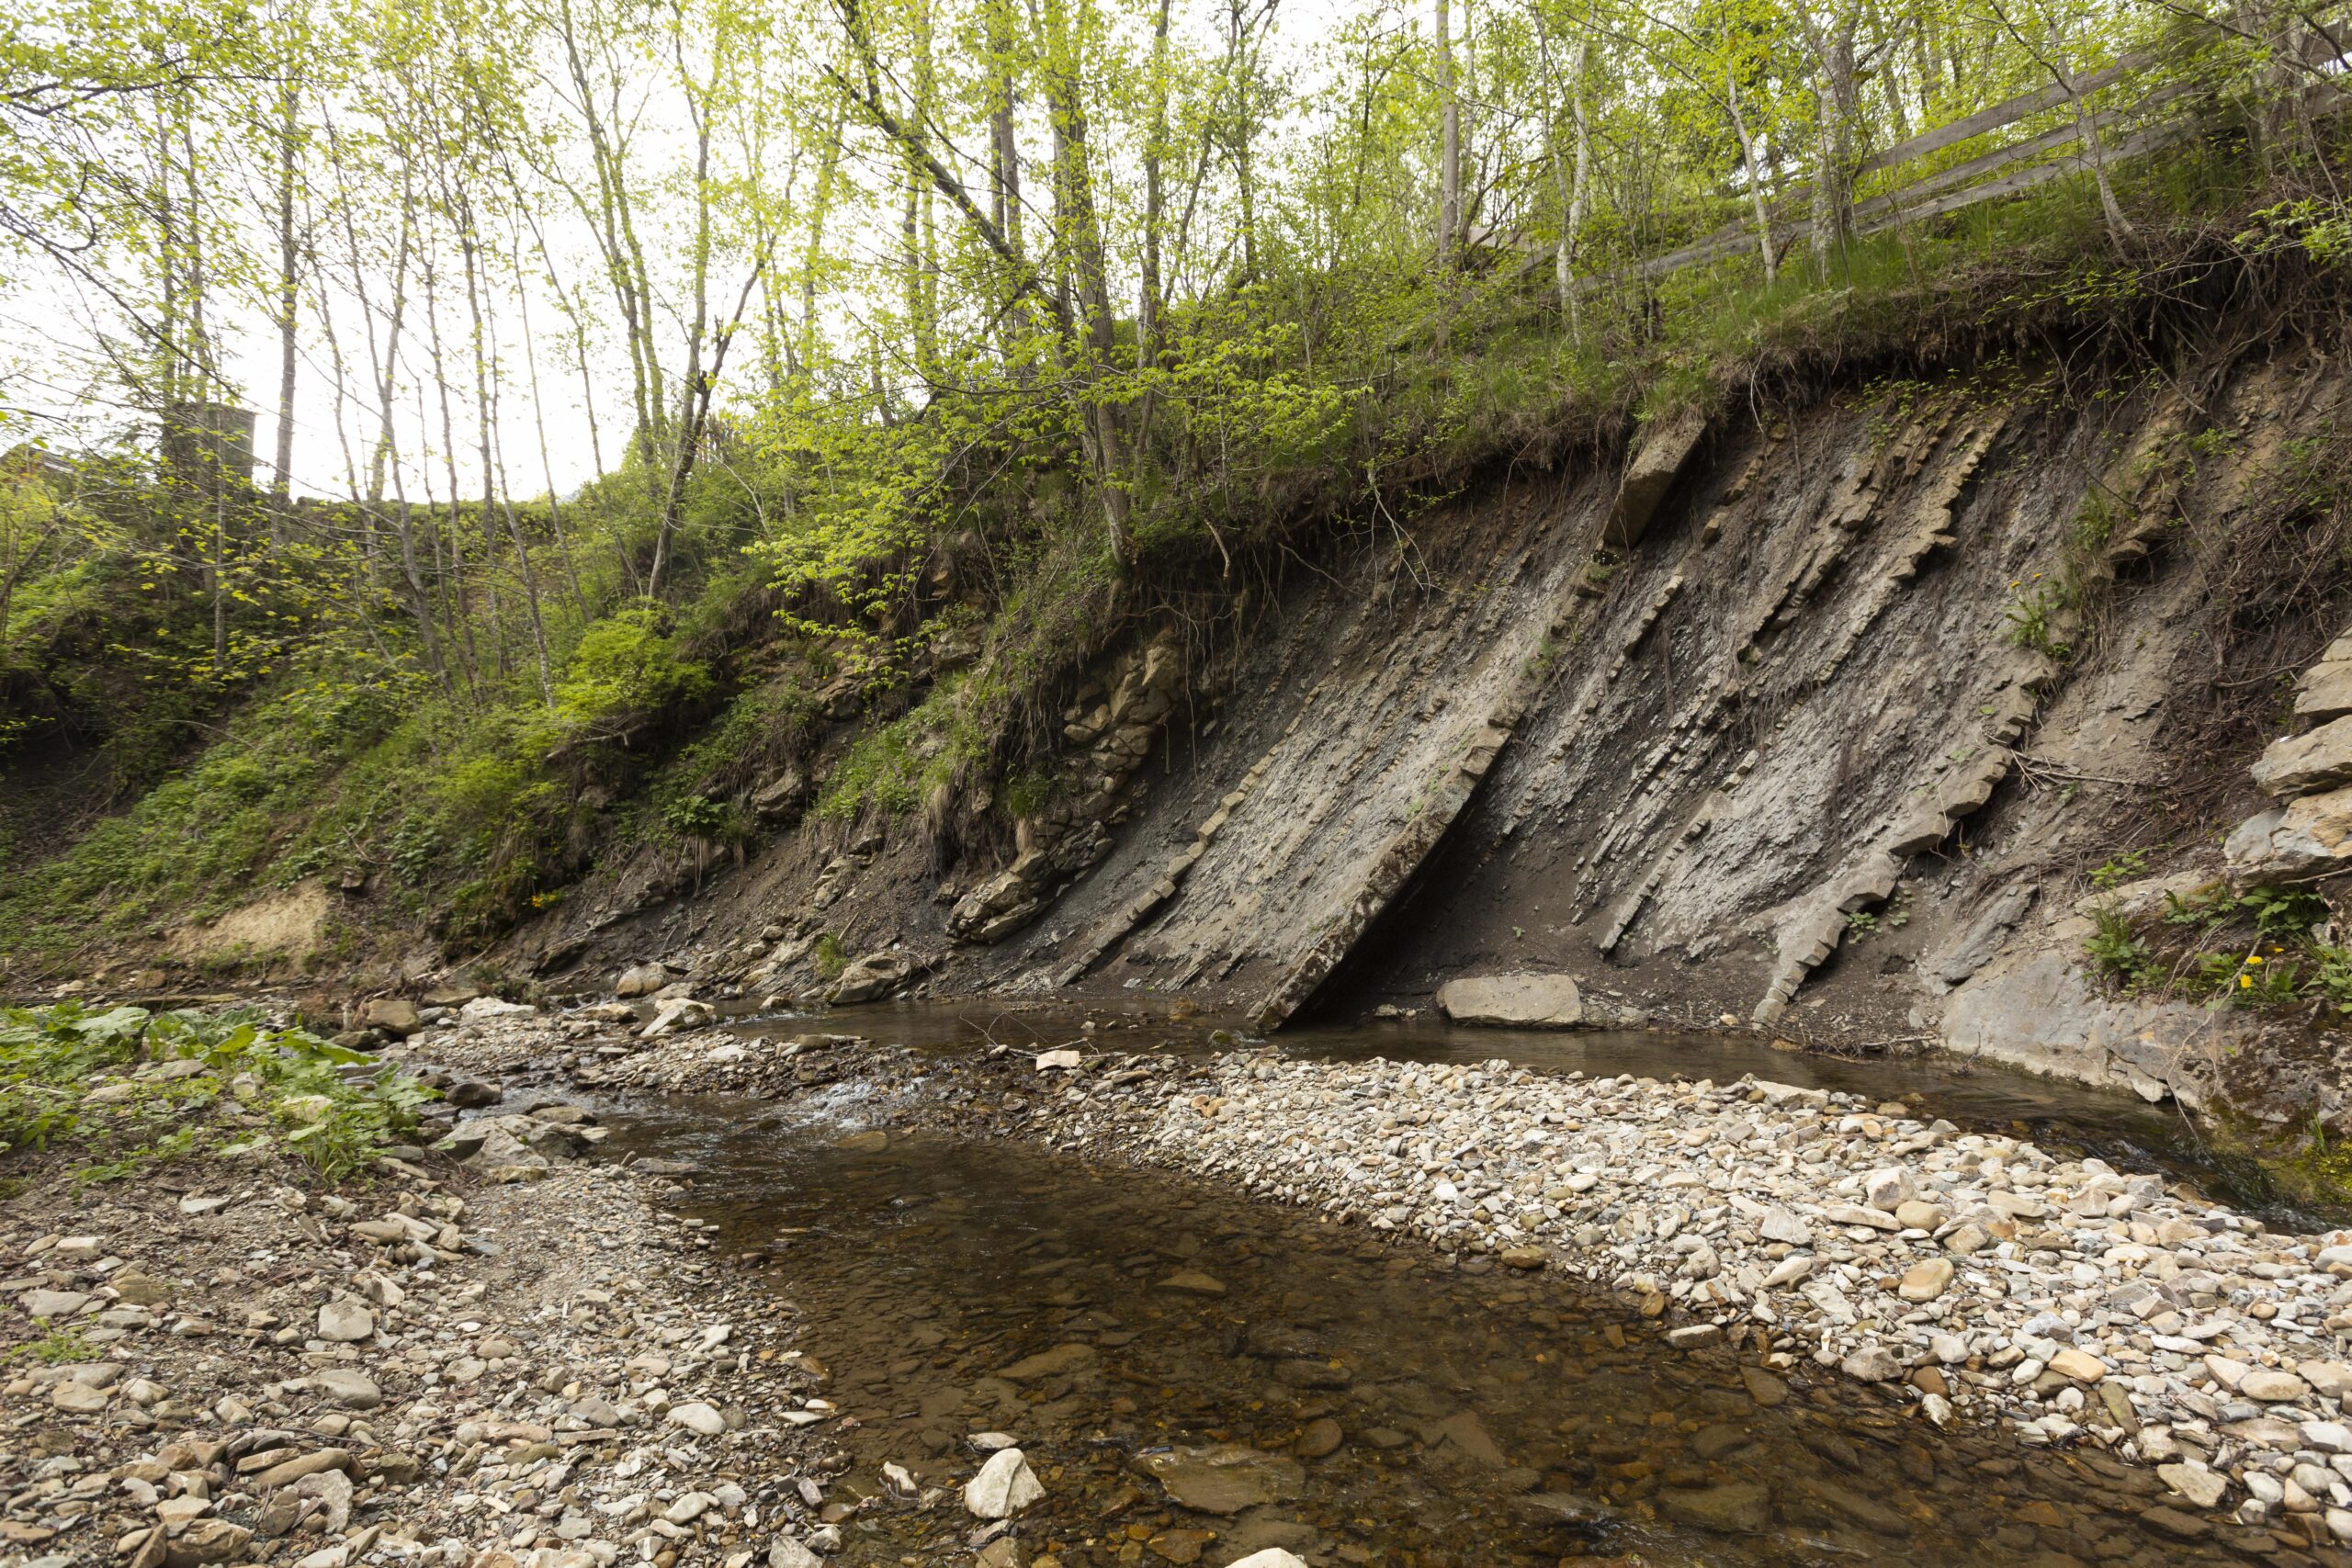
{"x":130,"y":1088}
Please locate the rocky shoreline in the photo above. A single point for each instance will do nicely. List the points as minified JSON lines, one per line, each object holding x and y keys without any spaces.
{"x":1984,"y":1279}
{"x":232,"y":1361}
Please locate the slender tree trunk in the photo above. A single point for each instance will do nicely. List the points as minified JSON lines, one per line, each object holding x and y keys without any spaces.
{"x":1449,"y":211}
{"x":1155,"y":199}
{"x":540,"y":427}
{"x":1081,"y":234}
{"x":1756,"y":181}
{"x":696,"y":395}
{"x":1570,"y":190}
{"x":281,"y":479}
{"x":1004,"y":149}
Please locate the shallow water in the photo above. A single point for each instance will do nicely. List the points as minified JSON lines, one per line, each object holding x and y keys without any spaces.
{"x":2064,"y":1117}
{"x":1472,"y":1419}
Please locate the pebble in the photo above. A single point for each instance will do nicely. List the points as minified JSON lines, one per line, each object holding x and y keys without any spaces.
{"x":697,"y":1417}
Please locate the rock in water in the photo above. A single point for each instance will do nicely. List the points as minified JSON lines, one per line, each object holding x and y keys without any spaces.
{"x":1004,"y":1486}
{"x":1224,"y":1479}
{"x":1272,"y":1557}
{"x":1740,"y":1509}
{"x":1513,"y":1001}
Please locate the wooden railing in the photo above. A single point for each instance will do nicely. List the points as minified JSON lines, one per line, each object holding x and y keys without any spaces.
{"x":2166,"y":115}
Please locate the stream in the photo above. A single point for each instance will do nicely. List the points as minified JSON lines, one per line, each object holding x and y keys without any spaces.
{"x":1195,"y":1376}
{"x":2114,"y":1126}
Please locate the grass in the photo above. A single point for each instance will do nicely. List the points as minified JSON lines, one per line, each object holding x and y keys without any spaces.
{"x":829,"y":958}
{"x":2264,"y":948}
{"x":58,"y":1348}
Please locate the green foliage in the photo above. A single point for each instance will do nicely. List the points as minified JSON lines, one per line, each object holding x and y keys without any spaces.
{"x":895,"y":766}
{"x":624,"y":668}
{"x":58,"y":1348}
{"x":2266,"y":947}
{"x":2117,"y":950}
{"x":2129,"y":866}
{"x":829,"y":958}
{"x":337,"y":1108}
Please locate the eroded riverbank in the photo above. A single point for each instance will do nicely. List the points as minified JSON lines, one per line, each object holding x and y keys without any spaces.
{"x":1751,"y":1226}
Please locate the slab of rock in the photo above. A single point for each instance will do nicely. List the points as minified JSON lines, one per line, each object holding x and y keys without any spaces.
{"x":484,"y":1008}
{"x":787,"y":1552}
{"x":1890,"y":1189}
{"x":1513,"y":1001}
{"x":697,"y":1417}
{"x":1926,"y":1280}
{"x":2297,"y":764}
{"x":2201,"y":1486}
{"x":346,"y":1321}
{"x":353,"y":1391}
{"x":1224,"y":1479}
{"x":1872,"y":1363}
{"x":640,"y":980}
{"x":207,"y":1542}
{"x":2326,"y":689}
{"x":1004,"y":1486}
{"x":2272,"y":1386}
{"x":1740,"y":1509}
{"x":1659,"y":456}
{"x":2305,"y":839}
{"x":874,"y":976}
{"x":1050,"y":1363}
{"x":1272,"y":1557}
{"x":393,"y":1015}
{"x":2079,"y":1365}
{"x":1193,"y":1283}
{"x":78,"y":1398}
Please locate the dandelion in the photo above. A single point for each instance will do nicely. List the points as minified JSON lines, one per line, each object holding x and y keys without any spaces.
{"x":2245,"y":982}
{"x":2255,"y":957}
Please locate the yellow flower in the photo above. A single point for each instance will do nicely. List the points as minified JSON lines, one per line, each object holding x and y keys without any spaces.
{"x":2253,"y":958}
{"x":2245,"y":982}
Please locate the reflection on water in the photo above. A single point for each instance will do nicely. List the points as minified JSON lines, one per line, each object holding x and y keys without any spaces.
{"x":1367,"y":1403}
{"x":2069,"y":1118}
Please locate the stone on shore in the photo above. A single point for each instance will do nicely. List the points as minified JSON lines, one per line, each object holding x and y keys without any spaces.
{"x":697,"y":1417}
{"x":1513,"y":1001}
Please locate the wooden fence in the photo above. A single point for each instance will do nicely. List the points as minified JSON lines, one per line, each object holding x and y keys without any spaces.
{"x":2163,"y":116}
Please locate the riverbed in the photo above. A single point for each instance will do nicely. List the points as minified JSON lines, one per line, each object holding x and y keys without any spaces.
{"x":1099,"y":1260}
{"x":1193,"y":1377}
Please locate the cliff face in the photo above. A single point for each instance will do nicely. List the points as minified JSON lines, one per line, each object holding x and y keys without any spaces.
{"x":1811,"y":720}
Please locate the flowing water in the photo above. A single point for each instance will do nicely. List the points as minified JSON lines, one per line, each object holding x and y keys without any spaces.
{"x":2064,"y":1117}
{"x":1194,"y":1375}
